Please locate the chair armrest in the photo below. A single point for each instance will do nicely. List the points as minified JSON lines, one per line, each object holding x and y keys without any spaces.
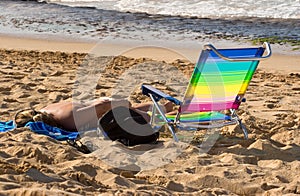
{"x":157,"y":94}
{"x":266,"y":46}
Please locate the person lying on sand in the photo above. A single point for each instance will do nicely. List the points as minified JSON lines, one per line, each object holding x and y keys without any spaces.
{"x":70,"y":115}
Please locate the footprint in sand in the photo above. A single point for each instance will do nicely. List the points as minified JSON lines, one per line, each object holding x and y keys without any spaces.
{"x":24,"y":95}
{"x":5,"y":90}
{"x":42,"y":90}
{"x":10,"y":100}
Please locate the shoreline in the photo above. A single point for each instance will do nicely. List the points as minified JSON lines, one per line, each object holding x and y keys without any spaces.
{"x":55,"y":21}
{"x":279,"y":62}
{"x":29,"y":43}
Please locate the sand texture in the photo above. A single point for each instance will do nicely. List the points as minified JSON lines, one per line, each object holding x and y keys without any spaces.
{"x":32,"y":164}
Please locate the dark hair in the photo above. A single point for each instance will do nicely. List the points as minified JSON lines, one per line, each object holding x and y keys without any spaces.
{"x":22,"y":117}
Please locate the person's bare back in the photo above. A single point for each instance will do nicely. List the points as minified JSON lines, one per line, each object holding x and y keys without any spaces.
{"x":71,"y":116}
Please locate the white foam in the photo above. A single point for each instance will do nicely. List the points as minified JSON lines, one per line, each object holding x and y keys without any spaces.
{"x":198,"y":8}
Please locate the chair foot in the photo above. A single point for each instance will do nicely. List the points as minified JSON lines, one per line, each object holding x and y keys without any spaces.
{"x":172,"y":130}
{"x":243,"y":128}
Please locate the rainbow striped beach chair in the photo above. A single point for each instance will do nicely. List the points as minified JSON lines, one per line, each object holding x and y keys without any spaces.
{"x":215,"y":91}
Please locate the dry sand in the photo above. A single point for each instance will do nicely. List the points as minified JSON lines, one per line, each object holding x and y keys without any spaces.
{"x":31,"y":164}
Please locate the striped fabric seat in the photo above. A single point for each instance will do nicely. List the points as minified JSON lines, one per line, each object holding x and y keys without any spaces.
{"x":199,"y":117}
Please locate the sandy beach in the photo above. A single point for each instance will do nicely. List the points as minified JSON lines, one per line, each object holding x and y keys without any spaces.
{"x":36,"y":72}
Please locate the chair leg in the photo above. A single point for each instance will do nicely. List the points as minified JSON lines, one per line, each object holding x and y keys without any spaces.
{"x":241,"y":125}
{"x":152,"y":120}
{"x":172,"y":130}
{"x":243,"y":128}
{"x":170,"y":127}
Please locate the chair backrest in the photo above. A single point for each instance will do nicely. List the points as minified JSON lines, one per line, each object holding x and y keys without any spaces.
{"x":217,"y":84}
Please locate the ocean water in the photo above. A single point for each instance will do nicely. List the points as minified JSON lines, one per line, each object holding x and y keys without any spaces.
{"x":197,"y":8}
{"x":176,"y":20}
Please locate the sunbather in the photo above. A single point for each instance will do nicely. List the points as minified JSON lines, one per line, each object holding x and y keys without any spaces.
{"x":71,"y":116}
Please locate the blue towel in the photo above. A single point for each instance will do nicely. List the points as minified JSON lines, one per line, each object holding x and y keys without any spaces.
{"x":42,"y":128}
{"x":54,"y":132}
{"x":6,"y":126}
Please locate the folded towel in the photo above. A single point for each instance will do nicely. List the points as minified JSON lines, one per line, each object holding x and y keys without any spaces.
{"x":6,"y":126}
{"x":54,"y":132}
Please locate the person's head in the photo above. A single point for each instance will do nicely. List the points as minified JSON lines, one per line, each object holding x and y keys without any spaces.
{"x":46,"y":118}
{"x":22,"y":117}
